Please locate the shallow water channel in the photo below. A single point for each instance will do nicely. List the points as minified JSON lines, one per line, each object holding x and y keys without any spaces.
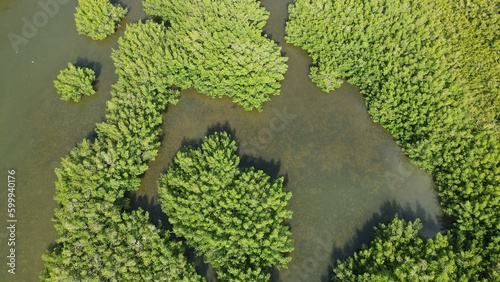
{"x":345,"y":172}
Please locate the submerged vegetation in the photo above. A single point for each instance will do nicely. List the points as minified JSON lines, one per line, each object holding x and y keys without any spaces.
{"x":233,"y":217}
{"x":74,"y":82}
{"x":98,"y":18}
{"x":430,"y":72}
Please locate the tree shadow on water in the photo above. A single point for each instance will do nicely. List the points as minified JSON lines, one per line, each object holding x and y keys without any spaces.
{"x":271,"y":168}
{"x":202,"y":268}
{"x":86,"y":63}
{"x":52,"y":246}
{"x":120,"y":2}
{"x":153,"y":207}
{"x":156,"y":215}
{"x":366,"y":234}
{"x":91,"y":136}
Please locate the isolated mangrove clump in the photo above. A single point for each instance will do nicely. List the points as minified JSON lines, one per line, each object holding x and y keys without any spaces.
{"x":74,"y":82}
{"x":233,"y":216}
{"x":98,"y":18}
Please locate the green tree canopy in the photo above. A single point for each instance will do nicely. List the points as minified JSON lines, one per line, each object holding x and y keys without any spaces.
{"x":430,"y":71}
{"x":100,"y":238}
{"x":223,"y":48}
{"x":398,"y":253}
{"x":103,"y":244}
{"x":233,"y":217}
{"x":74,"y":82}
{"x":98,"y":18}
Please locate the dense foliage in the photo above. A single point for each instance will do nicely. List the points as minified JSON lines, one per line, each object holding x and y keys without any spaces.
{"x":430,"y":71}
{"x":74,"y":82}
{"x":98,"y":18}
{"x":148,"y":56}
{"x":220,"y":48}
{"x":231,"y":216}
{"x":100,"y":238}
{"x":398,"y":253}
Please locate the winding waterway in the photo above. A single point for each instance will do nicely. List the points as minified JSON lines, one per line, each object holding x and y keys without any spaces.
{"x":345,"y":172}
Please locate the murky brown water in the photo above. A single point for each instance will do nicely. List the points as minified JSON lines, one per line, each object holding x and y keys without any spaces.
{"x":345,"y":172}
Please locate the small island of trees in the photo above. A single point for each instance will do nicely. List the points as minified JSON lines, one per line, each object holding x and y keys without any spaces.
{"x":233,"y":217}
{"x":74,"y":82}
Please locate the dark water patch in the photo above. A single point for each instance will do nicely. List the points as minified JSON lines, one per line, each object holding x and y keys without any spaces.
{"x":220,"y":127}
{"x":270,"y":167}
{"x":202,"y":268}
